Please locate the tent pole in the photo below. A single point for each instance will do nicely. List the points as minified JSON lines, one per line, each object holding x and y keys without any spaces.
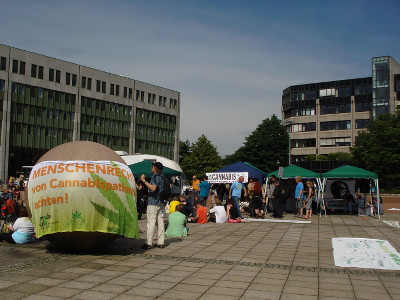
{"x":378,"y":198}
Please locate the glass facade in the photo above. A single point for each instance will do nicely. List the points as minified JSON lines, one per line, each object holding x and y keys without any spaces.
{"x":380,"y":85}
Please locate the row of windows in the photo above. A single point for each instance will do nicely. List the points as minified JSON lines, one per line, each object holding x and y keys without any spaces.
{"x":36,"y":111}
{"x":303,"y":127}
{"x":332,"y":92}
{"x":150,"y":130}
{"x":328,"y":109}
{"x":153,"y":146}
{"x":152,"y":115}
{"x":86,"y":82}
{"x":105,"y":122}
{"x":323,"y":142}
{"x":116,"y":142}
{"x":103,"y":105}
{"x":331,"y":125}
{"x":335,"y":125}
{"x":37,"y":130}
{"x":151,"y":99}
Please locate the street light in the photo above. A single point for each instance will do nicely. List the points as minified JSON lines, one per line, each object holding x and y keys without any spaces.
{"x":288,"y":122}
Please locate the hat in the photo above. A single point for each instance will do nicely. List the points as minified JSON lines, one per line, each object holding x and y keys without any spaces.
{"x":158,"y":165}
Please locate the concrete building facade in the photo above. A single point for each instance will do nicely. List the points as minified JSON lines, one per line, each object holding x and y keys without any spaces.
{"x":46,"y":102}
{"x":325,"y":117}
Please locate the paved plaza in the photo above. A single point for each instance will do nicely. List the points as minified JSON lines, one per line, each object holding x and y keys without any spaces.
{"x":257,"y":260}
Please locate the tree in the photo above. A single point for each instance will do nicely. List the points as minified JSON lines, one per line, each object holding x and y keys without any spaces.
{"x":202,"y":159}
{"x":377,"y":148}
{"x":184,"y":150}
{"x":266,"y":147}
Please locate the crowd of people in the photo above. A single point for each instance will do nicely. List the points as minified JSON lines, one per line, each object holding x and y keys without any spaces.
{"x":16,"y":226}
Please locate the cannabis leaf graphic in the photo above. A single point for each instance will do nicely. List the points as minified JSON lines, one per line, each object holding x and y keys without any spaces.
{"x":125,"y":218}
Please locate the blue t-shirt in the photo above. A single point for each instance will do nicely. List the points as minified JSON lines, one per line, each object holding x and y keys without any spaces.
{"x":299,"y":187}
{"x":154,"y":196}
{"x":237,"y":188}
{"x":204,"y":188}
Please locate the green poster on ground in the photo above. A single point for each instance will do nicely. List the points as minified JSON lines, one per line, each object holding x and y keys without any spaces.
{"x":67,"y":196}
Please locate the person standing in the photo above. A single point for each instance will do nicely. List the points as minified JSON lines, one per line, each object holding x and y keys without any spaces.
{"x":155,"y":208}
{"x":299,"y":196}
{"x":204,"y":191}
{"x":195,"y":187}
{"x":277,"y":198}
{"x":235,"y":193}
{"x":310,"y":198}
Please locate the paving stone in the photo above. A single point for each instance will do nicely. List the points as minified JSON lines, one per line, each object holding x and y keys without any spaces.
{"x":111,"y":288}
{"x":76,"y":284}
{"x":6,"y":283}
{"x":232,"y":284}
{"x":151,"y":284}
{"x":93,"y":295}
{"x":225,"y":291}
{"x":253,"y":294}
{"x":47,"y":281}
{"x":138,"y":291}
{"x":13,"y":295}
{"x":178,"y":294}
{"x":60,"y":292}
{"x":286,"y":296}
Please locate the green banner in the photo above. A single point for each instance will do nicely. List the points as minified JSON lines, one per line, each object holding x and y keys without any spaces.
{"x":67,"y":196}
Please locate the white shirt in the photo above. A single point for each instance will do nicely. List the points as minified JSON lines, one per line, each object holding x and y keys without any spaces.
{"x":220,"y":214}
{"x":24,"y":225}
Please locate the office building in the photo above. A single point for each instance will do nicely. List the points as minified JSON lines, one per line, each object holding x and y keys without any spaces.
{"x":46,"y":102}
{"x":325,"y":117}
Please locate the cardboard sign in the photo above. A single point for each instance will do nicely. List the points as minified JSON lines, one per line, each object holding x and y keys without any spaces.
{"x":66,"y":196}
{"x":227,"y":177}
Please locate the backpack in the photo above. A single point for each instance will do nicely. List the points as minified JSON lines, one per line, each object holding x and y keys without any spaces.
{"x":165,"y":191}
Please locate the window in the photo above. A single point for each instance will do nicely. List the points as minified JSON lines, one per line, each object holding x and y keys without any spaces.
{"x":89,"y":83}
{"x":112,"y":89}
{"x":3,"y":63}
{"x":58,"y":76}
{"x":335,"y":109}
{"x":83,"y":82}
{"x":51,"y":74}
{"x":103,"y":87}
{"x":2,"y":85}
{"x":22,"y":65}
{"x":131,"y":93}
{"x":362,"y":90}
{"x":302,"y":143}
{"x":67,"y":78}
{"x":335,"y":125}
{"x":335,"y":142}
{"x":15,"y":66}
{"x":125,"y":92}
{"x":344,"y":91}
{"x":327,"y":92}
{"x":74,"y":79}
{"x":98,"y":85}
{"x":33,"y":70}
{"x":362,"y":123}
{"x":363,"y":106}
{"x":303,"y":127}
{"x":41,"y":71}
{"x":116,"y":90}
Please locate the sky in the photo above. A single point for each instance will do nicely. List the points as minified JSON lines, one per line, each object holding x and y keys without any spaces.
{"x":230,"y":60}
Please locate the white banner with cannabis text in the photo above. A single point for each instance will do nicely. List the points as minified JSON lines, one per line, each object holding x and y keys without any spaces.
{"x":66,"y":196}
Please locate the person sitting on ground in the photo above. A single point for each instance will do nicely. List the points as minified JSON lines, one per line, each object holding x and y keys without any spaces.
{"x":201,"y":213}
{"x":187,"y":205}
{"x":172,"y":205}
{"x":232,"y":215}
{"x":220,"y":213}
{"x":349,"y":202}
{"x":177,"y":223}
{"x":23,"y":230}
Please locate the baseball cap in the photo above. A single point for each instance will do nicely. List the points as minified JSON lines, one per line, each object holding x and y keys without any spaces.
{"x":158,"y":165}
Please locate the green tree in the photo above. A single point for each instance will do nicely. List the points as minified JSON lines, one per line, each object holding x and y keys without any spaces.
{"x":202,"y":159}
{"x":266,"y":147}
{"x":377,"y":148}
{"x":184,"y":150}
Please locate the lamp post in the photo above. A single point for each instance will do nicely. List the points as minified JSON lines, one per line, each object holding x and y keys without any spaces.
{"x":288,"y":123}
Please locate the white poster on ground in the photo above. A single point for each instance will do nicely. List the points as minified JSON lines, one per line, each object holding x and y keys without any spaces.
{"x":227,"y":177}
{"x":365,"y":253}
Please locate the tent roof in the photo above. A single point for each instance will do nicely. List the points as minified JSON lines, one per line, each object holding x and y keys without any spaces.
{"x":349,"y":172}
{"x":241,"y":167}
{"x":144,"y":167}
{"x":293,"y":171}
{"x":135,"y":158}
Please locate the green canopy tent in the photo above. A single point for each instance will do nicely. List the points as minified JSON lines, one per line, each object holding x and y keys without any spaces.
{"x":144,"y":167}
{"x":353,"y":173}
{"x":292,"y":171}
